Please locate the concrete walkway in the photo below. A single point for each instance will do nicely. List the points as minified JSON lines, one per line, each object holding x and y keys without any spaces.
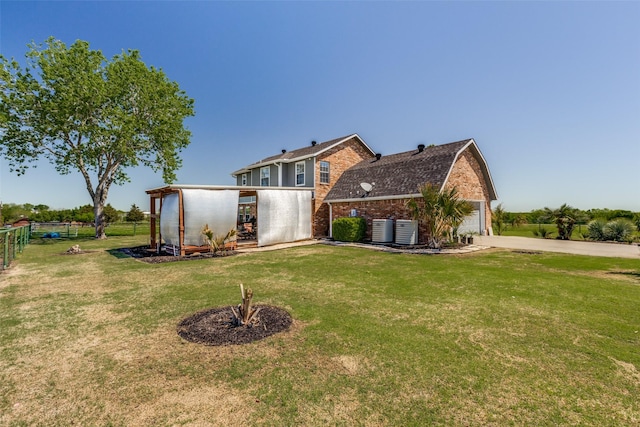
{"x":565,"y":246}
{"x":485,"y":242}
{"x":383,"y":248}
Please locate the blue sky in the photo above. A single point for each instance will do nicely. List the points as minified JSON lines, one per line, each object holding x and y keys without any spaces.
{"x":550,"y":91}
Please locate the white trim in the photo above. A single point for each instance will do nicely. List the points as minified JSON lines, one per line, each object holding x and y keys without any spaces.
{"x":315,"y":181}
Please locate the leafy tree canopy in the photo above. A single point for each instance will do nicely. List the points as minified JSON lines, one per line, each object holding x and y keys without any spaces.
{"x":80,"y":111}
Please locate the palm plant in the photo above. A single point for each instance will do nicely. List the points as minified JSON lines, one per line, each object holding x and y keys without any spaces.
{"x":565,"y":219}
{"x":543,"y":233}
{"x":499,"y":220}
{"x":217,"y":242}
{"x":439,"y":212}
{"x":518,"y":220}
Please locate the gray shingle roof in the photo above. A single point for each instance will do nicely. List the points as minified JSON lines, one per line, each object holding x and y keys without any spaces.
{"x":308,"y":151}
{"x":398,"y":174}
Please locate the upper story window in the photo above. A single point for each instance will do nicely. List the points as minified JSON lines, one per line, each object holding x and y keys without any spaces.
{"x":300,"y":173}
{"x":244,"y":179}
{"x":265,"y":174}
{"x":324,"y":172}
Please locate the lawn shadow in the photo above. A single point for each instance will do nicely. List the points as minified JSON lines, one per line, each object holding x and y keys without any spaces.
{"x":635,"y":274}
{"x":119,"y":253}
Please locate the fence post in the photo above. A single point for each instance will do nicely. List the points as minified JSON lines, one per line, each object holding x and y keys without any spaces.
{"x":15,"y":244}
{"x":5,"y":251}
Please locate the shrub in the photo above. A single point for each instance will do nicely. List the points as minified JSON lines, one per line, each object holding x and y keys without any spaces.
{"x":596,"y":229}
{"x":543,"y":233}
{"x":349,"y":229}
{"x":619,"y":230}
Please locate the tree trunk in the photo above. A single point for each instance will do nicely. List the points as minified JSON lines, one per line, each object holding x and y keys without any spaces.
{"x":98,"y":213}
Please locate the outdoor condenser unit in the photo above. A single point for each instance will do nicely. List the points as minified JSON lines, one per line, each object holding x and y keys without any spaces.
{"x":406,"y":232}
{"x":382,"y":231}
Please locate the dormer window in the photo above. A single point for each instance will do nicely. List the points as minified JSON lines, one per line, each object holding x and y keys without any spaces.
{"x":299,"y":173}
{"x":265,"y":174}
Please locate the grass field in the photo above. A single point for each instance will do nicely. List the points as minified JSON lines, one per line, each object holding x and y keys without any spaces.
{"x":489,"y":338}
{"x":527,"y":230}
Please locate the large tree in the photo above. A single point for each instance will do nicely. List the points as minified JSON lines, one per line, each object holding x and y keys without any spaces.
{"x":80,"y":111}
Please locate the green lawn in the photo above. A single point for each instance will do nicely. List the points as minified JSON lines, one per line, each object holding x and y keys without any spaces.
{"x":494,"y":337}
{"x":527,"y":230}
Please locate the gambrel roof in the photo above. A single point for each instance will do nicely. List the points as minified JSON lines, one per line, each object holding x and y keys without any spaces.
{"x":301,"y":153}
{"x":400,"y":175}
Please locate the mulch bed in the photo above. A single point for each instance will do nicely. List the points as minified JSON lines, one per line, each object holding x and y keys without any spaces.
{"x":213,"y":326}
{"x":144,"y":253}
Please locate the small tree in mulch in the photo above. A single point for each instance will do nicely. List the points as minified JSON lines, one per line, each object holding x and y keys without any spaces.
{"x":246,"y":315}
{"x":234,"y":325}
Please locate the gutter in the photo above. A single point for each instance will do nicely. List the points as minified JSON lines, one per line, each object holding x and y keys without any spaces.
{"x":366,"y":199}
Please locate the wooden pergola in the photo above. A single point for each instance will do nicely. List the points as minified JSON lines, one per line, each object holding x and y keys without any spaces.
{"x":155,"y":200}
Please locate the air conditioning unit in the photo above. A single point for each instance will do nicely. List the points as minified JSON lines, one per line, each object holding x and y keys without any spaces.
{"x":406,"y":232}
{"x":382,"y":231}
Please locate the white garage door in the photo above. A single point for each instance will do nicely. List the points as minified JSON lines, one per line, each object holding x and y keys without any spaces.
{"x":473,"y":223}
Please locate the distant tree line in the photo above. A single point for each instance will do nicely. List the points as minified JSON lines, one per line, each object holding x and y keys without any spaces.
{"x":601,"y":224}
{"x":12,"y":212}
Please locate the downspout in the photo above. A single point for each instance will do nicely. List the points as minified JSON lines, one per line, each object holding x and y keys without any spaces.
{"x":330,"y":220}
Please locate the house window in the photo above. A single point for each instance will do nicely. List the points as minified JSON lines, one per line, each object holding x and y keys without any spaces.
{"x":244,"y":179}
{"x":300,"y":173}
{"x":324,"y":172}
{"x":265,"y":173}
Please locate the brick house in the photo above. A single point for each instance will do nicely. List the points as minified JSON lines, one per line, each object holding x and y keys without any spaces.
{"x":379,"y":188}
{"x":318,"y":166}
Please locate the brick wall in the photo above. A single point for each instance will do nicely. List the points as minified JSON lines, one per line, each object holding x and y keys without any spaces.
{"x":340,"y":158}
{"x":468,"y":178}
{"x":378,"y":209}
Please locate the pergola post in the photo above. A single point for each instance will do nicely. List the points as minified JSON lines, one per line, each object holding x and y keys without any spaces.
{"x":181,"y":223}
{"x":152,"y":222}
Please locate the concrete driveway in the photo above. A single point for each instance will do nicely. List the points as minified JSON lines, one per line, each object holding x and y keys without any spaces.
{"x":565,"y":246}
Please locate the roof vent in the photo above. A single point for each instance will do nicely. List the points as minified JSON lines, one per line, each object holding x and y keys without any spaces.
{"x":420,"y":148}
{"x":378,"y":155}
{"x":313,"y":143}
{"x":284,"y":151}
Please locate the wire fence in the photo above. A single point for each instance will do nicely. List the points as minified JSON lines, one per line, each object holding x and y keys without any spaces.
{"x":12,"y":241}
